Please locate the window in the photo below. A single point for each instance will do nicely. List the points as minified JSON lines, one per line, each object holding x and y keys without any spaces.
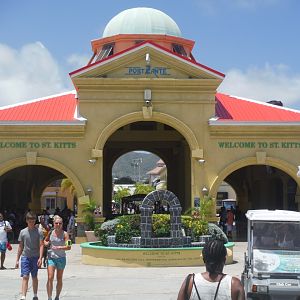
{"x":179,"y":49}
{"x":51,"y":203}
{"x":107,"y":50}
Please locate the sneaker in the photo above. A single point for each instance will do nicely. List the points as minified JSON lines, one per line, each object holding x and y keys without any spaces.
{"x":56,"y":298}
{"x":35,"y":298}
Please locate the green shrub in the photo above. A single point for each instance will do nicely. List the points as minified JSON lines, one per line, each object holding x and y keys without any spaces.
{"x":134,"y":221}
{"x":194,"y":226}
{"x":199,"y":227}
{"x":217,"y":233}
{"x":110,"y":226}
{"x":124,"y":233}
{"x":161,"y":225}
{"x":105,"y":229}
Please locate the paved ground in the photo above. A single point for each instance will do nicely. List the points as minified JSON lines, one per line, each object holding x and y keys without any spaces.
{"x":95,"y":282}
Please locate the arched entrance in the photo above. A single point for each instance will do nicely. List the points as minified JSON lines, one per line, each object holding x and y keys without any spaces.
{"x":272,"y":185}
{"x":158,"y":138}
{"x":263,"y":187}
{"x":22,"y":184}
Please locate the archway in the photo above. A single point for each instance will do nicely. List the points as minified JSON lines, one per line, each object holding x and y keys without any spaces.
{"x":22,"y":184}
{"x":271,"y":185}
{"x":158,"y":138}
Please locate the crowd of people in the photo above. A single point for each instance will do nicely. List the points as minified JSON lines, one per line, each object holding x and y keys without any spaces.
{"x":45,"y":240}
{"x":230,"y":219}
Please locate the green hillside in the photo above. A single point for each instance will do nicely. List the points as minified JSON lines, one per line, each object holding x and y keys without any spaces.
{"x":134,"y":164}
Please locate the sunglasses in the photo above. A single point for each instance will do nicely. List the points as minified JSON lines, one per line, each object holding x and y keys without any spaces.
{"x":57,"y":223}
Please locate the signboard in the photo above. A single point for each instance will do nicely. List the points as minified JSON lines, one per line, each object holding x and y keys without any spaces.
{"x":157,"y":71}
{"x":36,"y":145}
{"x":258,"y":145}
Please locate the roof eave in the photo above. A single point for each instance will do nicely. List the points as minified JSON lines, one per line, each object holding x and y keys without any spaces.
{"x":217,"y":122}
{"x":133,"y":49}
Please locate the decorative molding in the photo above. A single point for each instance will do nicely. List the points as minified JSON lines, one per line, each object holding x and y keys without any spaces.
{"x":96,"y":153}
{"x":147,"y":112}
{"x":31,"y":158}
{"x":197,"y":153}
{"x":261,"y":157}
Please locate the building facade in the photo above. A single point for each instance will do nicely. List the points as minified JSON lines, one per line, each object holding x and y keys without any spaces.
{"x":143,"y":90}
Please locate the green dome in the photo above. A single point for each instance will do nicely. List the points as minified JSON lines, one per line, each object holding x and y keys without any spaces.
{"x":141,"y":20}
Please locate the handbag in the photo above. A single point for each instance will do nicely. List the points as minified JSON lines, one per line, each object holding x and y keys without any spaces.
{"x":8,"y":246}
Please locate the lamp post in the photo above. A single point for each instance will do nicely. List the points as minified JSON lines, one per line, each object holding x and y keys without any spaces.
{"x":136,"y":163}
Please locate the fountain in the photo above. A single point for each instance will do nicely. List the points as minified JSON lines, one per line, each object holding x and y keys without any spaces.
{"x":149,"y":251}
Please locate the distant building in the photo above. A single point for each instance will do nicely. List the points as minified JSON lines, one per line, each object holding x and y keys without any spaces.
{"x":159,"y":173}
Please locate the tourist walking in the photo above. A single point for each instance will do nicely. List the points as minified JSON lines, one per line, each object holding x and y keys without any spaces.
{"x":57,"y":242}
{"x":31,"y":252}
{"x":223,"y":219}
{"x":212,"y":284}
{"x":230,"y":220}
{"x":44,"y":228}
{"x":4,"y":229}
{"x":71,"y":227}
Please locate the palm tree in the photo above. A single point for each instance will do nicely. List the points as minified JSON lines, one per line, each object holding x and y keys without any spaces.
{"x":67,"y":185}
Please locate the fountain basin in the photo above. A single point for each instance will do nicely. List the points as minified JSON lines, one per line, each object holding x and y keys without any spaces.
{"x":94,"y":254}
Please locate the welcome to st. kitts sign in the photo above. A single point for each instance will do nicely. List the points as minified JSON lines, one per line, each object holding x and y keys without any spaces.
{"x":36,"y":145}
{"x":258,"y":145}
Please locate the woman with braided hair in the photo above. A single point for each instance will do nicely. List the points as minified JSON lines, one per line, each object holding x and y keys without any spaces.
{"x":212,"y":284}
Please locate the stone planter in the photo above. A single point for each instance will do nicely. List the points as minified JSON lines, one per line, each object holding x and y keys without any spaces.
{"x":90,"y":236}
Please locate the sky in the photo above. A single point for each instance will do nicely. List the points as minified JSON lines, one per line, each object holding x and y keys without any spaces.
{"x":255,"y":43}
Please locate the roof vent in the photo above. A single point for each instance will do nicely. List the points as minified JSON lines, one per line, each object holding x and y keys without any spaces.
{"x":275,"y":102}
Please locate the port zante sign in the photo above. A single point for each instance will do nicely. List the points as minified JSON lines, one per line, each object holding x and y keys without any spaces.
{"x":258,"y":145}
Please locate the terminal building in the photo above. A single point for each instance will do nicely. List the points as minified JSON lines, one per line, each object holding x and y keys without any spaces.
{"x":143,"y":89}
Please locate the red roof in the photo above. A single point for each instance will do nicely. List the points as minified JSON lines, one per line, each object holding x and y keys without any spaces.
{"x":231,"y":108}
{"x":56,"y":108}
{"x":63,"y":108}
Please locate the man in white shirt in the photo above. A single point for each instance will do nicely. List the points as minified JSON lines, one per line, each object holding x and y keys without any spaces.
{"x":4,"y":228}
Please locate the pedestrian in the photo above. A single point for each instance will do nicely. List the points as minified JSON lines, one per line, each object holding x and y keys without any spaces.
{"x":4,"y":229}
{"x":223,"y":219}
{"x":57,"y":242}
{"x":31,"y":252}
{"x":230,"y":220}
{"x":212,"y":284}
{"x":44,"y":229}
{"x":71,"y":227}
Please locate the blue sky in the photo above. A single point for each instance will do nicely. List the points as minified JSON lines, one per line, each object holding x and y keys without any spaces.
{"x":254,"y":42}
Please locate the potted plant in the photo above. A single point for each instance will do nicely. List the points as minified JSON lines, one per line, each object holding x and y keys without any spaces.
{"x":88,"y":217}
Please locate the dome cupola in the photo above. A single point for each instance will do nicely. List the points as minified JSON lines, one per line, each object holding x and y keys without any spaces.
{"x":141,"y":20}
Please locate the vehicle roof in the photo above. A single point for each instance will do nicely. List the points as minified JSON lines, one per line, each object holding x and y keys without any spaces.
{"x":273,"y":215}
{"x":229,"y":200}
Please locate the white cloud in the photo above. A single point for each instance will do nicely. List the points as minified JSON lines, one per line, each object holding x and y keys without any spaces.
{"x":264,"y":84}
{"x":77,"y":61}
{"x":28,"y":73}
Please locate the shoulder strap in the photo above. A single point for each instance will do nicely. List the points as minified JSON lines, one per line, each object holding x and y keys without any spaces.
{"x":186,"y":288}
{"x":194,"y":284}
{"x":218,"y":287}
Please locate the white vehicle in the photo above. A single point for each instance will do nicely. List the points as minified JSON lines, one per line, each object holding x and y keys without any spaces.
{"x":272,"y":261}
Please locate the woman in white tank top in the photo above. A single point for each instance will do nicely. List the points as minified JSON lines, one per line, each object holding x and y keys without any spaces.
{"x":212,"y":284}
